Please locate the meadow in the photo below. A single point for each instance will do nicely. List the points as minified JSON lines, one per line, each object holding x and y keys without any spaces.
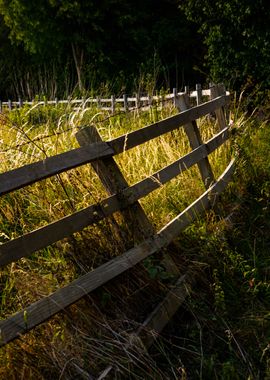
{"x":222,"y":329}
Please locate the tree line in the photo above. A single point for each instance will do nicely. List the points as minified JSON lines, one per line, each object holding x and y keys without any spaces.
{"x":60,"y":48}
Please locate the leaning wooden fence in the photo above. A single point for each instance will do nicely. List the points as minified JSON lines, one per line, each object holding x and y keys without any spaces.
{"x":122,"y":198}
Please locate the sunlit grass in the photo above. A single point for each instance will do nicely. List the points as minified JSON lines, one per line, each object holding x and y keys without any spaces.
{"x":32,"y":134}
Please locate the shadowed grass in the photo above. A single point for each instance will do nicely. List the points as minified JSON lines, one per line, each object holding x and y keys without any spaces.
{"x":213,"y":334}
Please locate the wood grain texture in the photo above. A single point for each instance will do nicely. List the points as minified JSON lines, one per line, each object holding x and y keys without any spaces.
{"x":28,"y":174}
{"x":165,"y":310}
{"x":114,"y":181}
{"x":215,"y":92}
{"x":198,"y":94}
{"x":37,"y":171}
{"x":195,"y":140}
{"x":164,"y":175}
{"x":150,"y":329}
{"x":31,"y":242}
{"x":132,"y":139}
{"x":45,"y":308}
{"x":40,"y":238}
{"x":172,"y":229}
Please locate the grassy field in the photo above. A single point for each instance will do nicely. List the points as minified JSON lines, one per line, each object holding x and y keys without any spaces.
{"x":222,"y":330}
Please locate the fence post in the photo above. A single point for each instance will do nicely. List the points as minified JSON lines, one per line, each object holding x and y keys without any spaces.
{"x":150,"y":100}
{"x":174,"y":96}
{"x":215,"y":92}
{"x":195,"y":140}
{"x":113,"y":103}
{"x":10,"y":105}
{"x":114,"y":181}
{"x":125,"y":102}
{"x":137,"y":104}
{"x":1,"y":106}
{"x":199,"y":93}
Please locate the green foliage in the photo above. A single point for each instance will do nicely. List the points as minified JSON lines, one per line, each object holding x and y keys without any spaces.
{"x":58,"y":48}
{"x":155,"y":269}
{"x":236,"y":34}
{"x":87,"y":44}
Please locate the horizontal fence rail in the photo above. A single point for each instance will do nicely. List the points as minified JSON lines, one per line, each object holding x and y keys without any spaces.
{"x":121,"y":197}
{"x":45,"y":308}
{"x":34,"y":172}
{"x":40,"y":238}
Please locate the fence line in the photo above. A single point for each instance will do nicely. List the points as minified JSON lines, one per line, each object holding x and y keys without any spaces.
{"x":31,"y":173}
{"x":27,"y":244}
{"x":121,"y":197}
{"x":112,"y":103}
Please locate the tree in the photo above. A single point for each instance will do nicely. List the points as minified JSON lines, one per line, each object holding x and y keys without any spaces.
{"x":237,"y":36}
{"x":50,"y":28}
{"x":110,"y":41}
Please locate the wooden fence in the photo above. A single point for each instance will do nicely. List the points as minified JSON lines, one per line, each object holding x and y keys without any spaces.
{"x":122,"y":198}
{"x":112,"y":103}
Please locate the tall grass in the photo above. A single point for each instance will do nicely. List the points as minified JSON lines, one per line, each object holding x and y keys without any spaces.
{"x":93,"y":333}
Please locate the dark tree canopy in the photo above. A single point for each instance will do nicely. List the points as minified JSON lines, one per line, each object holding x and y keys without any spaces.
{"x":91,"y":43}
{"x":55,"y":47}
{"x":237,"y":36}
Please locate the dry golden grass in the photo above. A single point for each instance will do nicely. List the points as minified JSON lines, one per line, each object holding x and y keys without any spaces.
{"x":91,"y":334}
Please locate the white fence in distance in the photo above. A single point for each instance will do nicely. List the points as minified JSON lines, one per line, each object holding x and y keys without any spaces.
{"x":124,"y":103}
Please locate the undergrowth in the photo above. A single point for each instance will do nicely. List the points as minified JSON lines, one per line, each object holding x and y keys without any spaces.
{"x":222,"y":329}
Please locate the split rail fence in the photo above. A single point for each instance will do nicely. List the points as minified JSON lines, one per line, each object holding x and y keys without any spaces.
{"x":122,"y":198}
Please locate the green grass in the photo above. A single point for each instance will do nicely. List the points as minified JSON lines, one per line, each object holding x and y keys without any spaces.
{"x":222,"y":330}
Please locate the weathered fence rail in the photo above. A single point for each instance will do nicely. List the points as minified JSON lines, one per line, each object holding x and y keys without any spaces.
{"x":121,"y":198}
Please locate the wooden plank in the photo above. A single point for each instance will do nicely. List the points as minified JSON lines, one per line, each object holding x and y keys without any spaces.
{"x":164,"y":175}
{"x":147,"y":333}
{"x":174,"y":96}
{"x":198,"y":94}
{"x":106,"y":100}
{"x":206,"y":92}
{"x":63,"y":101}
{"x":132,"y":139}
{"x":125,"y":100}
{"x":195,"y":140}
{"x":139,"y":226}
{"x":217,"y":140}
{"x":27,"y":244}
{"x":114,"y":182}
{"x":45,"y":308}
{"x":207,"y":199}
{"x":165,"y":310}
{"x":215,"y":92}
{"x":31,"y":173}
{"x":113,"y":103}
